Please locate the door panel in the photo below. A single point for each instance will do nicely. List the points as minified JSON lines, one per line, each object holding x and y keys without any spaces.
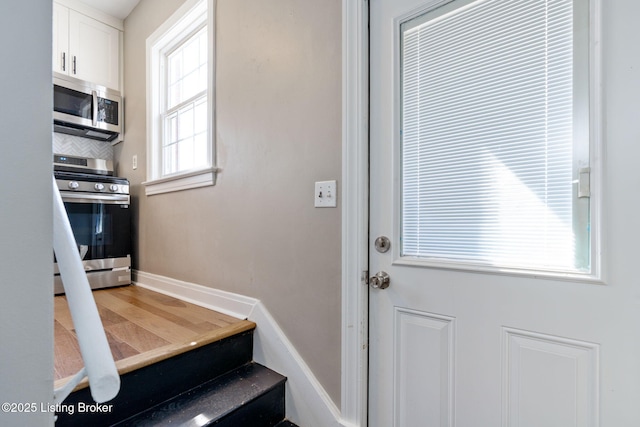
{"x":423,"y":368}
{"x":470,"y":348}
{"x":541,"y":371}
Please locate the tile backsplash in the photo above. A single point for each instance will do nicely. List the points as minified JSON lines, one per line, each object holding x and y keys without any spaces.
{"x":83,"y":147}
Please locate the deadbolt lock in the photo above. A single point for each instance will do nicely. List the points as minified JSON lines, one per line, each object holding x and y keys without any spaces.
{"x":383,"y":244}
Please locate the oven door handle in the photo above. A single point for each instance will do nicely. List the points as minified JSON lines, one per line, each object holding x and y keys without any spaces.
{"x":109,"y":199}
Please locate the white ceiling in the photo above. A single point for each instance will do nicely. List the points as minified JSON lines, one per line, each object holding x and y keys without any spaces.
{"x":117,"y":8}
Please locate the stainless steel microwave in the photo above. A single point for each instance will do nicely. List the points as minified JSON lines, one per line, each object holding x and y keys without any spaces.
{"x":84,"y":109}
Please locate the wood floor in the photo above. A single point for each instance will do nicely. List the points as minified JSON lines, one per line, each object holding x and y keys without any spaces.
{"x":142,"y":327}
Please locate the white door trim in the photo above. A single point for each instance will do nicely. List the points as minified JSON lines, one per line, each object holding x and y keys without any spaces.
{"x":355,"y":210}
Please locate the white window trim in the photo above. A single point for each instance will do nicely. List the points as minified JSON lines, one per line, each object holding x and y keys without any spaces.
{"x":183,"y":181}
{"x":598,"y":273}
{"x":156,"y":42}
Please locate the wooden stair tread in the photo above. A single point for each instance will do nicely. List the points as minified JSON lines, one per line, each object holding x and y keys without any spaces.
{"x":143,"y":327}
{"x":150,"y":357}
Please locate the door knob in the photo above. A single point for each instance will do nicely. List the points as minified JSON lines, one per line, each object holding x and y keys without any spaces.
{"x":380,"y":280}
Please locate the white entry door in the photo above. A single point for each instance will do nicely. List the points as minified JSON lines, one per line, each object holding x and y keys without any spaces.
{"x":512,"y":251}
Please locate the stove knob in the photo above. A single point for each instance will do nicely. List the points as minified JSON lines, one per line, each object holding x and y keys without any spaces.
{"x":99,"y":187}
{"x":73,"y":185}
{"x":113,"y":188}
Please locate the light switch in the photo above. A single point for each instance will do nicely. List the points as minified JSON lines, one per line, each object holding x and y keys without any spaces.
{"x":326,"y":194}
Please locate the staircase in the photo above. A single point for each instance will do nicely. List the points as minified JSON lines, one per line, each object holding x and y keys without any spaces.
{"x":215,"y":384}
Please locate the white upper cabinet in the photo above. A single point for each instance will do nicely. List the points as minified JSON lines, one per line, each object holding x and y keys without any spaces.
{"x":85,"y":48}
{"x":60,"y":39}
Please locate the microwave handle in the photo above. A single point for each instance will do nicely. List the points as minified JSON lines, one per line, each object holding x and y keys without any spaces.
{"x":94,"y":116}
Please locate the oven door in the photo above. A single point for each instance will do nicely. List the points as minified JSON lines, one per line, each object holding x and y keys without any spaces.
{"x":101,"y":224}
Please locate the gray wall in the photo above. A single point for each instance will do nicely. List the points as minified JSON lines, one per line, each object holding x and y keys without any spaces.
{"x":256,"y":231}
{"x":26,"y":304}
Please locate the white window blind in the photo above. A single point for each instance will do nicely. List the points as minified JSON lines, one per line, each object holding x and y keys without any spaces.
{"x":494,"y":116}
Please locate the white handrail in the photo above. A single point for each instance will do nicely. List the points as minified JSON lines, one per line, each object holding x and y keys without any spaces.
{"x":104,"y":380}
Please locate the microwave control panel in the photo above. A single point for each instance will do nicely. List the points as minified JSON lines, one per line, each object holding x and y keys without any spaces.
{"x":107,"y":111}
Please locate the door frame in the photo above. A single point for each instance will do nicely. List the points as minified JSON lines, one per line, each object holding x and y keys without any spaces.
{"x":355,"y":212}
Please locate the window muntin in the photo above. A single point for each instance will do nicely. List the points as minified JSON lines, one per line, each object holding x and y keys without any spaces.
{"x":495,"y":128}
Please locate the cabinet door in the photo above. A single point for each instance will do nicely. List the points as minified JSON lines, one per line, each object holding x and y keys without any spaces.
{"x":61,"y":58}
{"x":94,"y":49}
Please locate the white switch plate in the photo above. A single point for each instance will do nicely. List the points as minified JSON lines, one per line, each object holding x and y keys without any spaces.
{"x":134,"y":161}
{"x":326,"y":194}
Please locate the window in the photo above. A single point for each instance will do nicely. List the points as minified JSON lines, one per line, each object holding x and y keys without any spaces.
{"x":180,"y":105}
{"x":495,"y":136}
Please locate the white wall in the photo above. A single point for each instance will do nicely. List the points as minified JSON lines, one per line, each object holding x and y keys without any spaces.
{"x":26,"y":302}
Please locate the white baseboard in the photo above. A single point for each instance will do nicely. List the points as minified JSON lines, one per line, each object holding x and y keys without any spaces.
{"x":307,"y":403}
{"x":225,"y":302}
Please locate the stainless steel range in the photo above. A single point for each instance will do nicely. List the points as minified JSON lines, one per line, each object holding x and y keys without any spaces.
{"x":97,"y":204}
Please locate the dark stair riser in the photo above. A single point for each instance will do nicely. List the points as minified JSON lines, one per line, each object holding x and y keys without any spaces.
{"x":266,"y":411}
{"x":151,"y":385}
{"x":250,"y":396}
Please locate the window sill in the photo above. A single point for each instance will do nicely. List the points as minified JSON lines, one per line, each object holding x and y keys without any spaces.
{"x":184,"y":181}
{"x":591,"y":278}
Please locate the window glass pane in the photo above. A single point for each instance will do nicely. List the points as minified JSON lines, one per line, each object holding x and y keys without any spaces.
{"x":202,"y":77}
{"x":185,"y":122}
{"x":172,"y":129}
{"x":185,"y":150}
{"x":175,"y":68}
{"x":170,"y":159}
{"x":190,"y":82}
{"x":488,"y":136}
{"x":175,"y":94}
{"x":200,"y":150}
{"x":191,"y":55}
{"x":200,"y":117}
{"x":203,"y":47}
